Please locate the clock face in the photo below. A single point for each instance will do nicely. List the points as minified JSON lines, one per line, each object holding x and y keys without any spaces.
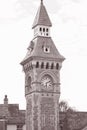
{"x":46,"y":82}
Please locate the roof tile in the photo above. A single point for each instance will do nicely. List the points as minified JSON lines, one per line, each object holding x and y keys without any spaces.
{"x":42,"y":17}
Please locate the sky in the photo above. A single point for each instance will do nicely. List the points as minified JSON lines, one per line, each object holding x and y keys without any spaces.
{"x":69,"y":33}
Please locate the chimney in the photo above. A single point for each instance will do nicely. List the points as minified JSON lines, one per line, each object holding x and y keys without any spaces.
{"x":6,"y":100}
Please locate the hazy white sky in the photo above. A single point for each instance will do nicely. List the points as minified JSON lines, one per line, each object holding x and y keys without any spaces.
{"x":69,"y":32}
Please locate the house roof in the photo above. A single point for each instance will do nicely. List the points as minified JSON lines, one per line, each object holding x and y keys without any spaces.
{"x":11,"y":113}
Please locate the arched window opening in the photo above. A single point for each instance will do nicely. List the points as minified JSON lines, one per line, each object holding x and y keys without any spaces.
{"x":40,"y":29}
{"x":46,"y":34}
{"x":47,"y":30}
{"x":52,"y":66}
{"x":37,"y":65}
{"x":42,"y":65}
{"x":47,"y":66}
{"x":43,"y":29}
{"x":57,"y":66}
{"x":46,"y":49}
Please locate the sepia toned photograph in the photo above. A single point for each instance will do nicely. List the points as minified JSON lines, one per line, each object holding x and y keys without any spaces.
{"x":43,"y":65}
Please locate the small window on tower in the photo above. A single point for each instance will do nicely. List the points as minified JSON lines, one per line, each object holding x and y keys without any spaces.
{"x":46,"y":34}
{"x":46,"y":49}
{"x":37,"y":65}
{"x":52,"y":66}
{"x":57,"y":66}
{"x":42,"y":65}
{"x":47,"y":65}
{"x":40,"y":29}
{"x":43,"y":29}
{"x":47,"y":30}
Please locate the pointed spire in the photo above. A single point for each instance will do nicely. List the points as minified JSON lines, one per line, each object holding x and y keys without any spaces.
{"x":42,"y":17}
{"x":41,"y":1}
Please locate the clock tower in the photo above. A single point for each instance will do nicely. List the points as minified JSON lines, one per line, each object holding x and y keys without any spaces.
{"x":42,"y":65}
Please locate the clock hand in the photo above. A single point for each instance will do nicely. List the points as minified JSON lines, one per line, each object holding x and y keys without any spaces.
{"x":48,"y":82}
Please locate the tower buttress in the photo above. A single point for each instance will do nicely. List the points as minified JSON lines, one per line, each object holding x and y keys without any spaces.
{"x":42,"y":65}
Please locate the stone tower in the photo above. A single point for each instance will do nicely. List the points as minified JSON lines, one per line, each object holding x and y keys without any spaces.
{"x":42,"y":65}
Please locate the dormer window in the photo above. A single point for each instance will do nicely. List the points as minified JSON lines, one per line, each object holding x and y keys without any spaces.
{"x":46,"y":49}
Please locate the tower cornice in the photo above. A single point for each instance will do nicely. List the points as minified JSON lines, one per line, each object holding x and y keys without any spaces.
{"x":41,"y":58}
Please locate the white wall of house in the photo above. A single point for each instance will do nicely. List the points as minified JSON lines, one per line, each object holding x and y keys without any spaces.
{"x":14,"y":127}
{"x":24,"y":127}
{"x":11,"y":127}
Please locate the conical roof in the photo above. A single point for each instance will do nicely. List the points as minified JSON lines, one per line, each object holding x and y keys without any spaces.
{"x":42,"y":17}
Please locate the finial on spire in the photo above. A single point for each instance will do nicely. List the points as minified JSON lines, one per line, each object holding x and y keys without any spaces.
{"x":41,"y":1}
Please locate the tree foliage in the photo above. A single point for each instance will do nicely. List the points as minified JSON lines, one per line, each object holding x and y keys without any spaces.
{"x":64,"y":107}
{"x":73,"y":119}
